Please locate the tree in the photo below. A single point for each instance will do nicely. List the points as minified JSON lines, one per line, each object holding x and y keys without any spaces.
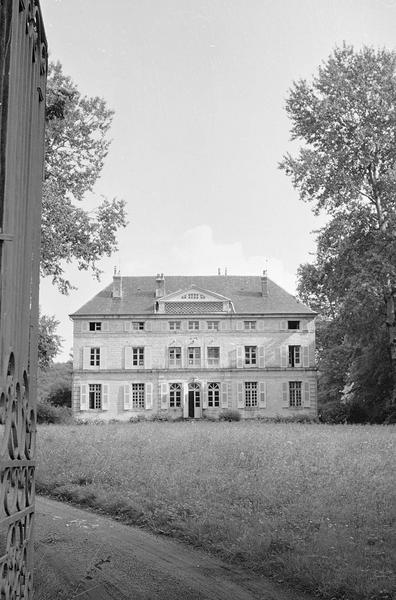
{"x":49,"y":343}
{"x":346,"y":118}
{"x":76,"y":147}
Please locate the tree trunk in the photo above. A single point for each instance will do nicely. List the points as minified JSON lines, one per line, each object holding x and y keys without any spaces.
{"x":391,"y":324}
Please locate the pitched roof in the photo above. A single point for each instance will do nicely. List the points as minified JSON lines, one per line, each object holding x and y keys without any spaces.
{"x":138,"y":295}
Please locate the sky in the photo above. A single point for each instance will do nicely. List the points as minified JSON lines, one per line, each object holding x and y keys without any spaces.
{"x":199,"y":89}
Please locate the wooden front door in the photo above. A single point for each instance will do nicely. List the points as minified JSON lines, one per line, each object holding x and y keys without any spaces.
{"x":194,"y":400}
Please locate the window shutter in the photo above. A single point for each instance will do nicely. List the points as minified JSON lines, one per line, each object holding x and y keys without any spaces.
{"x":184,"y":325}
{"x":312,"y":394}
{"x":204,"y":395}
{"x":105,"y":326}
{"x":103,"y":358}
{"x":283,"y":356}
{"x":305,"y":351}
{"x":84,"y":326}
{"x":147,"y":357}
{"x":127,"y":396}
{"x":260,"y":325}
{"x":105,"y":396}
{"x":149,"y":396}
{"x":306,"y":399}
{"x":241,"y":399}
{"x":261,"y":353}
{"x":283,"y":325}
{"x":224,"y":394}
{"x":239,"y":355}
{"x":164,"y":394}
{"x":185,"y":398}
{"x":311,"y":354}
{"x":223,"y":325}
{"x":147,"y":326}
{"x":84,"y":397}
{"x":285,"y":394}
{"x":86,"y":357}
{"x":128,"y":357}
{"x":239,"y":325}
{"x":164,"y":326}
{"x":262,"y":394}
{"x":127,"y":326}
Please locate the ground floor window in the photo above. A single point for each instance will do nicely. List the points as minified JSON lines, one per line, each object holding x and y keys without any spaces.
{"x":250,"y":394}
{"x":294,"y":393}
{"x":95,"y":395}
{"x":175,"y":390}
{"x":213,"y":395}
{"x":137,"y":395}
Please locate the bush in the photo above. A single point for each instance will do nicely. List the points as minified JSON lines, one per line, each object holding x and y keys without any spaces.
{"x":230,"y":415}
{"x":46,"y":413}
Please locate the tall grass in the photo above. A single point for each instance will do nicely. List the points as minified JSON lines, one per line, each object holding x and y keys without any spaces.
{"x":311,"y":505}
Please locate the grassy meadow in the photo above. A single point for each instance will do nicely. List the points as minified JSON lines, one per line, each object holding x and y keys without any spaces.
{"x":310,"y":505}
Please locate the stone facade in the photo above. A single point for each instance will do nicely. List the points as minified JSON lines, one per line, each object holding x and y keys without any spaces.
{"x":194,"y":351}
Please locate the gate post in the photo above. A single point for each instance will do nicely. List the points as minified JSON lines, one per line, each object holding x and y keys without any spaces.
{"x":23,"y":69}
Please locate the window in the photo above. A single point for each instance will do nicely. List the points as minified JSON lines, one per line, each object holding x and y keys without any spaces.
{"x":95,"y":395}
{"x":213,"y":395}
{"x":174,"y":325}
{"x":138,"y":357}
{"x":294,"y":393}
{"x":138,"y":325}
{"x":194,"y":357}
{"x":94,"y":357}
{"x":193,"y":325}
{"x":293,"y":324}
{"x":250,"y":394}
{"x":213,"y":356}
{"x":175,"y":357}
{"x":294,"y":356}
{"x":250,"y":355}
{"x":213,"y":325}
{"x":137,"y":395}
{"x":95,"y":326}
{"x":175,"y":391}
{"x":249,"y":324}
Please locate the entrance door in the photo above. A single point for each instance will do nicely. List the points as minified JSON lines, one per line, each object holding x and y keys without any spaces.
{"x":194,"y":400}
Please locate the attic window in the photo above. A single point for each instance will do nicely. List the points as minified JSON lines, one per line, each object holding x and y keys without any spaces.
{"x":95,"y":326}
{"x":293,"y":324}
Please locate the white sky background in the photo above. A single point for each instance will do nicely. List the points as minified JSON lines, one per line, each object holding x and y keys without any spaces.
{"x":199,"y":88}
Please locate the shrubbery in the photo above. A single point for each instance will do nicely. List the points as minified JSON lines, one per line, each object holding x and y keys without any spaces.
{"x":230,"y":415}
{"x":47,"y":413}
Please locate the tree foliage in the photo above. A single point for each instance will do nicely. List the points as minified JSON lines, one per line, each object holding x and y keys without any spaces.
{"x":76,"y":147}
{"x":346,"y":118}
{"x":49,"y":343}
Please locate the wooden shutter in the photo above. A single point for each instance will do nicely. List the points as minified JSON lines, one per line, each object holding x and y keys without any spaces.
{"x":239,"y":325}
{"x":204,"y":395}
{"x":184,"y":325}
{"x":147,"y":357}
{"x":147,"y":326}
{"x":149,"y":396}
{"x":261,"y":357}
{"x":164,"y":387}
{"x":127,"y":326}
{"x":223,"y":325}
{"x":311,"y":354}
{"x":262,"y":394}
{"x":84,"y":326}
{"x":312,"y":394}
{"x":84,"y":396}
{"x":128,"y":357}
{"x":305,"y":353}
{"x":224,"y":394}
{"x":239,"y":355}
{"x":105,"y":326}
{"x":127,"y":396}
{"x":105,"y":396}
{"x":260,"y":325}
{"x":241,"y":399}
{"x":164,"y":326}
{"x":283,"y":356}
{"x":285,"y":394}
{"x":185,"y":399}
{"x":283,"y":325}
{"x":86,"y":357}
{"x":306,"y":398}
{"x":103,"y":358}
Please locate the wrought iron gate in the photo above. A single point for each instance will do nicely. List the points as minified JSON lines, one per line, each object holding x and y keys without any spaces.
{"x":23,"y":67}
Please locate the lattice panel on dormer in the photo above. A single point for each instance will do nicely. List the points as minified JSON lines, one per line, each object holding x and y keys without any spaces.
{"x":192,"y":308}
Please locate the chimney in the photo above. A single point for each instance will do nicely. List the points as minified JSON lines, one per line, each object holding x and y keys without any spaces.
{"x":117,"y":284}
{"x":160,"y":285}
{"x":264,"y":284}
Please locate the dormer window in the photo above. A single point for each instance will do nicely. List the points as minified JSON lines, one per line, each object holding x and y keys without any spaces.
{"x":293,"y":324}
{"x":95,"y":326}
{"x":249,"y":325}
{"x":193,"y":325}
{"x":138,"y":325}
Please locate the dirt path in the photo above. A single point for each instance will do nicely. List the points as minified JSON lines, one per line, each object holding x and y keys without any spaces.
{"x":85,"y":556}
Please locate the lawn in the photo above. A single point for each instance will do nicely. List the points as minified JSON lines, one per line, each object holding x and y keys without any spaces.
{"x":311,"y":505}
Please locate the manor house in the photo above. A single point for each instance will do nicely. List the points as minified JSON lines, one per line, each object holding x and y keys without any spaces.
{"x":192,"y":347}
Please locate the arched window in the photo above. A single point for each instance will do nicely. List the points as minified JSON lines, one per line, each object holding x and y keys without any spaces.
{"x":213,"y":395}
{"x":175,"y":395}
